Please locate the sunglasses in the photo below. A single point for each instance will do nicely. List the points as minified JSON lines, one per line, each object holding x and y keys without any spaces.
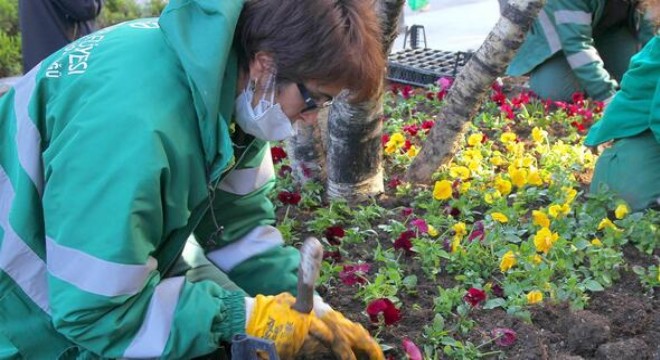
{"x":310,"y":104}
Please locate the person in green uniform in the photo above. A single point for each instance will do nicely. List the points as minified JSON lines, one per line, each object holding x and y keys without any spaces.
{"x":120,"y":146}
{"x":631,"y":165}
{"x":580,"y":45}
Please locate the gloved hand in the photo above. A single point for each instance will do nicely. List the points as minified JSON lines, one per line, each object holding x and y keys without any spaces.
{"x":271,"y":317}
{"x":346,"y":339}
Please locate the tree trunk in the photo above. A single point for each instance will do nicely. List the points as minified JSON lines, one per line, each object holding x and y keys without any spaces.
{"x":306,"y":151}
{"x":354,"y":162}
{"x":472,"y":85}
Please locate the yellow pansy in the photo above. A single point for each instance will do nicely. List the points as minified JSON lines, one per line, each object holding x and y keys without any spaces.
{"x":433,"y":232}
{"x":544,"y":239}
{"x":460,"y":172}
{"x":442,"y":190}
{"x":497,"y":159}
{"x":455,"y":243}
{"x":491,"y":197}
{"x":538,"y":134}
{"x":537,"y":259}
{"x":534,"y":297}
{"x":508,"y":261}
{"x":502,"y":185}
{"x":472,"y":154}
{"x":390,"y":148}
{"x":557,"y":211}
{"x":589,"y":159}
{"x":413,"y":151}
{"x":621,"y":211}
{"x":540,"y":219}
{"x":607,"y":223}
{"x":460,"y":229}
{"x":474,"y":165}
{"x":570,"y":194}
{"x":398,"y":139}
{"x":534,"y":178}
{"x":465,"y":187}
{"x":518,"y":177}
{"x":508,"y":137}
{"x":475,"y":139}
{"x":499,"y":217}
{"x":596,"y":242}
{"x":528,"y":161}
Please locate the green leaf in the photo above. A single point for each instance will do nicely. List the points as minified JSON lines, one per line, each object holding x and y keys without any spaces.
{"x":494,"y":303}
{"x":593,"y":285}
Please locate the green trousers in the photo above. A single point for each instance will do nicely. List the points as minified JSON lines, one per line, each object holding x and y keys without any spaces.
{"x":554,"y":78}
{"x":631,"y":168}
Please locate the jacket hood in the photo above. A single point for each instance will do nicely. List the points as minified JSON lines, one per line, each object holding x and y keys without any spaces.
{"x":201,"y":33}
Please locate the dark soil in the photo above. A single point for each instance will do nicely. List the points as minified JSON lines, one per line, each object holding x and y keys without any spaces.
{"x":619,"y":323}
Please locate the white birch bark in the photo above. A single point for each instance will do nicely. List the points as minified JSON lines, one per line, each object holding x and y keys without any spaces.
{"x":472,"y":85}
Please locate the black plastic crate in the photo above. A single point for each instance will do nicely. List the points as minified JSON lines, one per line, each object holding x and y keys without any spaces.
{"x":421,"y":67}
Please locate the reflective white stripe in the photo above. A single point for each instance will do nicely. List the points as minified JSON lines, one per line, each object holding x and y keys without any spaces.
{"x":550,"y":32}
{"x":572,"y":17}
{"x":16,"y":258}
{"x":150,"y":340}
{"x":100,"y":276}
{"x":245,"y":181}
{"x":583,"y":57}
{"x":28,"y":139}
{"x":257,"y":241}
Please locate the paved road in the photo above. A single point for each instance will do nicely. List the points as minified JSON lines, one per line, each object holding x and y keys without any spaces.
{"x":453,"y":25}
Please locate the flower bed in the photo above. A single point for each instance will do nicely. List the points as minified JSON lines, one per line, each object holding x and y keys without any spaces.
{"x":506,"y":256}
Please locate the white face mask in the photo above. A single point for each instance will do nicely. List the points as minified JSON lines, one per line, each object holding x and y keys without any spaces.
{"x":265,"y":121}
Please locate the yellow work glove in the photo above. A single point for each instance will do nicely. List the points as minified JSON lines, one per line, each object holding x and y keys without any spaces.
{"x":271,"y":317}
{"x":346,"y":339}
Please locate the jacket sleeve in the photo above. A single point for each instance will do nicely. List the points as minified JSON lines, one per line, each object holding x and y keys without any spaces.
{"x":573,"y":21}
{"x":239,"y":235}
{"x":80,"y":10}
{"x":105,"y":201}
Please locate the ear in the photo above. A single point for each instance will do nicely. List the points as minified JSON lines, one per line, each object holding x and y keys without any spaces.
{"x":261,"y":65}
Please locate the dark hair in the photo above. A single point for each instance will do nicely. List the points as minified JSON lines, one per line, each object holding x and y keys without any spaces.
{"x":330,"y":41}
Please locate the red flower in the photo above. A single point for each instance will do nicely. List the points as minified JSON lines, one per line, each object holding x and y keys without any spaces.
{"x":404,"y":241}
{"x":430,"y":96}
{"x":284,"y":170}
{"x":506,"y":108}
{"x":406,"y":211}
{"x":334,"y":256}
{"x":497,"y":290}
{"x":289,"y":198}
{"x":474,"y":296}
{"x":499,"y":98}
{"x":277,"y":153}
{"x":578,"y":98}
{"x":407,"y":92}
{"x":406,"y":146}
{"x":411,"y":350}
{"x":419,"y":225}
{"x":394,"y":89}
{"x":394,"y":182}
{"x":334,"y":234}
{"x":384,"y":139}
{"x":385,"y":307}
{"x":411,"y":129}
{"x":520,"y":100}
{"x":477,"y":231}
{"x":452,"y":211}
{"x":504,"y":337}
{"x":441,"y":95}
{"x":579,"y":126}
{"x":599,"y":106}
{"x":354,"y":274}
{"x":428,"y":125}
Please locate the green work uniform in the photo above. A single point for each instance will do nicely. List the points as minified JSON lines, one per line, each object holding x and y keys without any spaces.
{"x":114,"y":150}
{"x":580,"y":45}
{"x":631,"y":166}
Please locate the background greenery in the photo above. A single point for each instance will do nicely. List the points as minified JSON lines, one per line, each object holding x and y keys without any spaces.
{"x":114,"y":11}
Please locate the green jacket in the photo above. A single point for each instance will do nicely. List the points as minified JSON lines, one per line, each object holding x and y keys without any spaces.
{"x":636,"y":107}
{"x":114,"y":149}
{"x":568,"y":26}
